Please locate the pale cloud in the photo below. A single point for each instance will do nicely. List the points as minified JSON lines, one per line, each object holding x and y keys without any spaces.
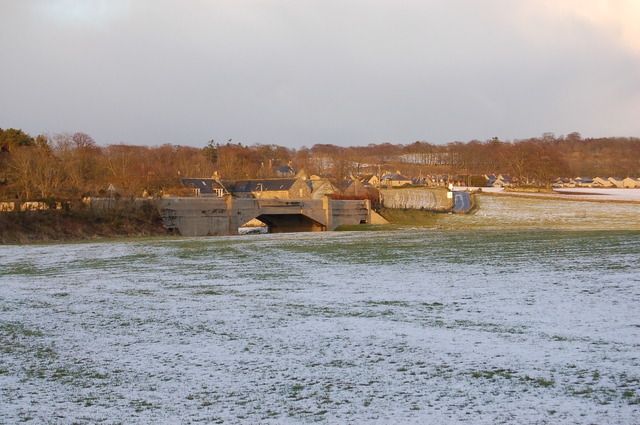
{"x":95,"y":13}
{"x":618,"y":19}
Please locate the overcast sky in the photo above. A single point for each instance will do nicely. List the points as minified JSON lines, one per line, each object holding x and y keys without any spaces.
{"x":301,"y":72}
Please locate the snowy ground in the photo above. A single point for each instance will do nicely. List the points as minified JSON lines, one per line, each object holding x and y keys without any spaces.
{"x":518,"y":212}
{"x":416,"y":326}
{"x":584,"y":193}
{"x":606,"y":194}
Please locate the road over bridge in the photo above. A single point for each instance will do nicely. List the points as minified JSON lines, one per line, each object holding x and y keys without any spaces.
{"x":212,"y":216}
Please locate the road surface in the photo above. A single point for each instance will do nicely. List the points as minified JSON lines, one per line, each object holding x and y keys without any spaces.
{"x":462,"y":202}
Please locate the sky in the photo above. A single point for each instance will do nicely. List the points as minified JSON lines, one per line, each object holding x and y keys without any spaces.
{"x":301,"y":72}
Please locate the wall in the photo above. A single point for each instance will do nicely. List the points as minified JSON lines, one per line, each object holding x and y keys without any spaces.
{"x":416,"y":198}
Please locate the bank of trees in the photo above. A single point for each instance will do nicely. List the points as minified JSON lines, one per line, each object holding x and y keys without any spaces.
{"x":73,"y":165}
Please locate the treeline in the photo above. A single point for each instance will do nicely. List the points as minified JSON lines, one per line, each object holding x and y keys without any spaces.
{"x":73,"y":165}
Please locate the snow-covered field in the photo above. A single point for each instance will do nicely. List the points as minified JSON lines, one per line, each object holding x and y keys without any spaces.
{"x":607,"y":194}
{"x":416,"y":326}
{"x":584,"y":193}
{"x":500,"y":212}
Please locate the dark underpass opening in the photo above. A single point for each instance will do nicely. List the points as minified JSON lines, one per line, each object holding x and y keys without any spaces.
{"x":285,"y":223}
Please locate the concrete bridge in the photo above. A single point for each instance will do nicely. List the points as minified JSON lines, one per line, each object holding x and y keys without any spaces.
{"x":223,"y":216}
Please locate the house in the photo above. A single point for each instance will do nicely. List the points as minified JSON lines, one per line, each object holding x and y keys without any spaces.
{"x":371,"y":179}
{"x":395,"y":180}
{"x":631,"y":182}
{"x":583,"y":182}
{"x":616,"y":181}
{"x":34,"y":206}
{"x":437,"y":179}
{"x":269,"y":188}
{"x":320,"y":176}
{"x":205,"y":187}
{"x":321,"y":187}
{"x":284,"y":171}
{"x":6,"y":206}
{"x":491,"y":179}
{"x":601,"y":182}
{"x":302,"y":174}
{"x":359,"y":189}
{"x":504,"y":180}
{"x":420,"y":181}
{"x":563,"y":182}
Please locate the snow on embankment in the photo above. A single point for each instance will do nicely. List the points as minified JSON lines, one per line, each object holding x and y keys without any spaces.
{"x":417,"y":198}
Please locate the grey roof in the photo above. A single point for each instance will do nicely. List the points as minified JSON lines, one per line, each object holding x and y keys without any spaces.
{"x":284,"y":169}
{"x":258,"y":185}
{"x":394,"y":177}
{"x":205,"y":185}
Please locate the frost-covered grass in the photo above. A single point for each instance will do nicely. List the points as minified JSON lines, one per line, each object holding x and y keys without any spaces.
{"x":496,"y":212}
{"x":414,"y":326}
{"x":512,"y":211}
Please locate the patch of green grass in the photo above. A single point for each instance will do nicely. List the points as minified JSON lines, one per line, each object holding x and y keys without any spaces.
{"x":209,"y":292}
{"x":488,"y":327}
{"x":410,"y":217}
{"x":270,"y":414}
{"x":11,"y":330}
{"x":389,"y":303}
{"x":494,"y":374}
{"x":141,"y":405}
{"x":540,"y":382}
{"x":363,"y":228}
{"x":20,"y":269}
{"x":135,"y":292}
{"x":340,"y":364}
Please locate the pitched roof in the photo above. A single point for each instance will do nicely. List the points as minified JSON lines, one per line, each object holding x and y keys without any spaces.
{"x":205,"y":185}
{"x":317,"y":184}
{"x":258,"y":185}
{"x":395,"y":177}
{"x":364,"y":177}
{"x":284,"y":169}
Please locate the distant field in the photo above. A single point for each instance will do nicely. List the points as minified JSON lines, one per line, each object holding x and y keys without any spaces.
{"x":521,"y":212}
